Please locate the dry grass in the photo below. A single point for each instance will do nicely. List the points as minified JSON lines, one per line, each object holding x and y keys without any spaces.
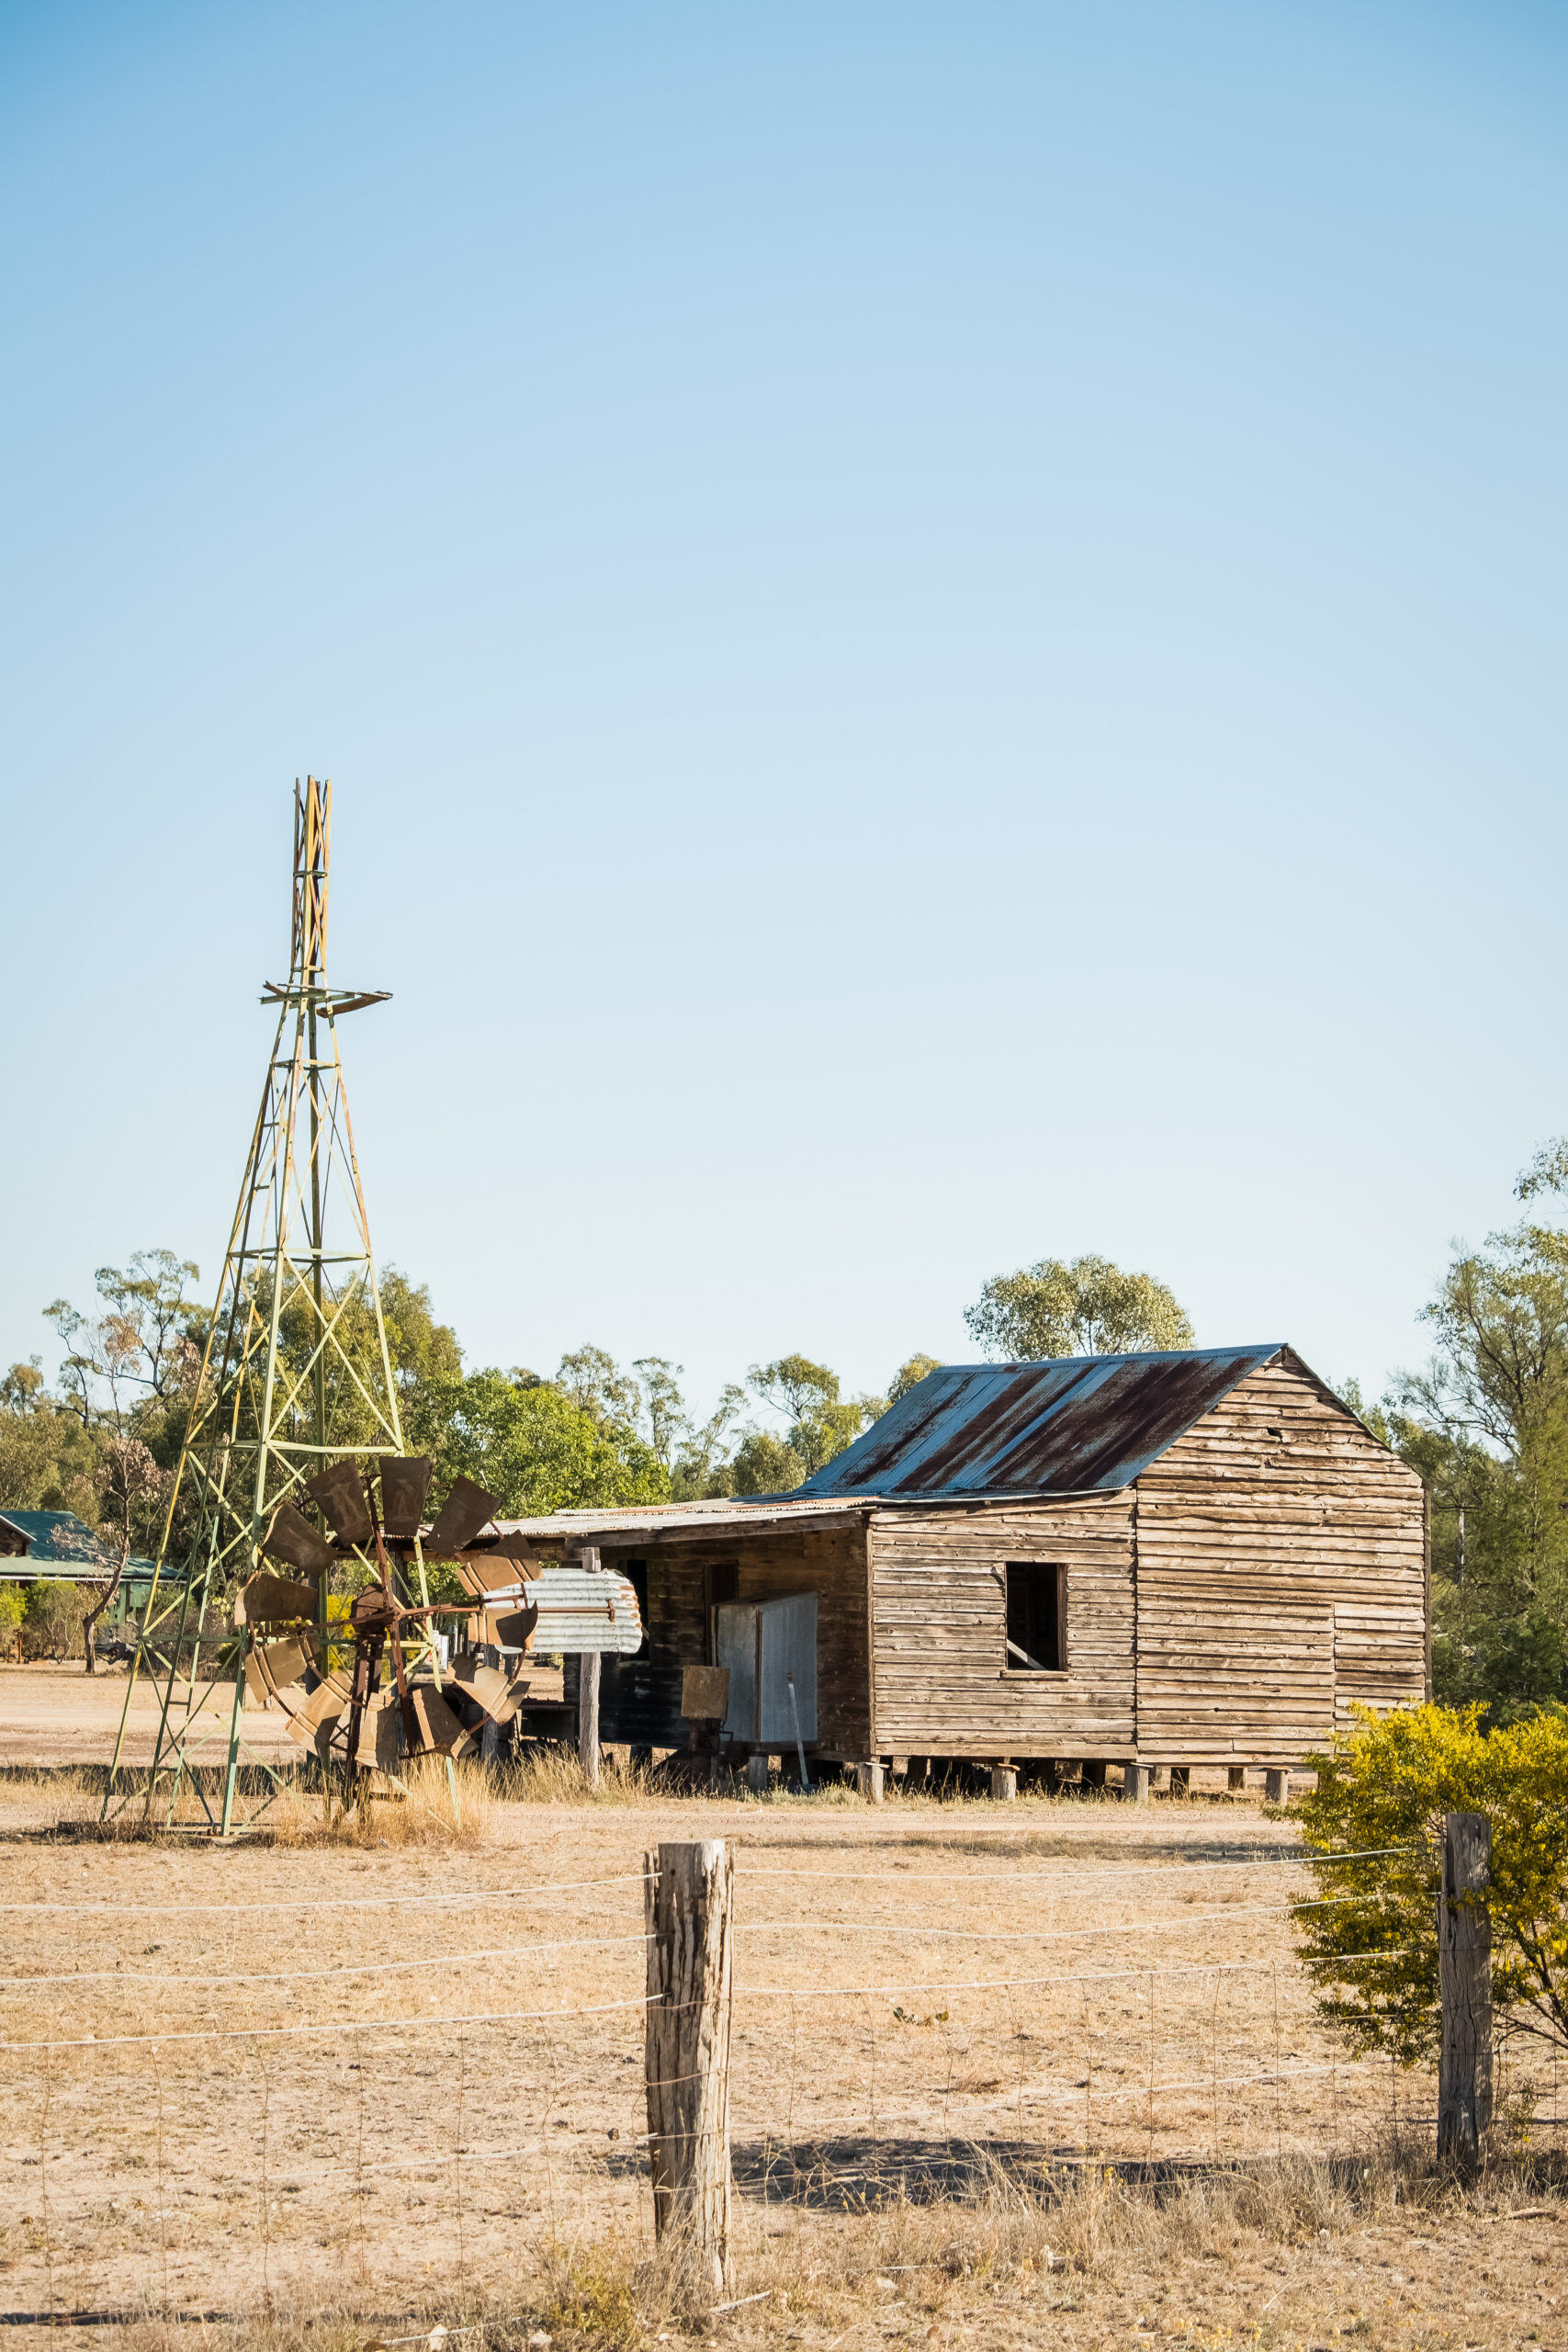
{"x":68,"y":1782}
{"x":437,"y":1804}
{"x":552,"y":1773}
{"x":549,"y":1772}
{"x":1384,"y":2255}
{"x":431,"y":1805}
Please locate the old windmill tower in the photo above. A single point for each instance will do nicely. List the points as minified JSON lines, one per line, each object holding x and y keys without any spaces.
{"x":295,"y":1422}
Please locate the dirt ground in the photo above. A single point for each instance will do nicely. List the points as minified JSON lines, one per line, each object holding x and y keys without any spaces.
{"x":372,"y":2087}
{"x":61,"y":1715}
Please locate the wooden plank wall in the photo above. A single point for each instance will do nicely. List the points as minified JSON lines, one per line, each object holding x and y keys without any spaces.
{"x":939,"y":1599}
{"x":828,"y":1561}
{"x":1280,"y":1574}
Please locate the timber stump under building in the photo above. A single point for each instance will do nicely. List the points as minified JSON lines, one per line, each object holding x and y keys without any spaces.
{"x":1195,"y":1557}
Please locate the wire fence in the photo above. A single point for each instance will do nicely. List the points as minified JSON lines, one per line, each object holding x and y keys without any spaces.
{"x":252,"y":2093}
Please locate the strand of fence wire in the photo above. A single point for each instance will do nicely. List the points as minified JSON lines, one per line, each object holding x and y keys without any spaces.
{"x":1033,"y":1935}
{"x":304,"y":1976}
{"x":812,"y":2126}
{"x":1300,"y":1860}
{"x":339,"y":1901}
{"x":215,"y":2032}
{"x":121,"y":1975}
{"x":459,"y":1900}
{"x":783,"y":1927}
{"x":1034,"y":2093}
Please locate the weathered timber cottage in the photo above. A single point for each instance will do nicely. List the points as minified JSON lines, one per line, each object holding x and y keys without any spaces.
{"x":1200,"y":1557}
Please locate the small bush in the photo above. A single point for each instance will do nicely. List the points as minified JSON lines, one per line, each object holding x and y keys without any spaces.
{"x":590,"y":2299}
{"x":51,"y":1623}
{"x":1371,"y":1945}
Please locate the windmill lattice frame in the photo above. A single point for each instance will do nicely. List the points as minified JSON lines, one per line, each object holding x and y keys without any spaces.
{"x":298,"y":1274}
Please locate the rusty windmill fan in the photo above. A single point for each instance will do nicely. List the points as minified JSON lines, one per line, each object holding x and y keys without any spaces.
{"x":325,"y":1668}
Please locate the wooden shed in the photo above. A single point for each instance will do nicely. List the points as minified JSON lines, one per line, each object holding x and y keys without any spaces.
{"x":1200,"y":1557}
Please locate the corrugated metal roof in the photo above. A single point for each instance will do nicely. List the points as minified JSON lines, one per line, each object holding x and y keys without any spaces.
{"x":1069,"y":1426}
{"x":56,"y":1536}
{"x":59,"y":1539}
{"x":633,"y":1518}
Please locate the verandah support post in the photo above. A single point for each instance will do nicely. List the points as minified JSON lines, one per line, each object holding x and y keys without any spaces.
{"x":1464,"y":1980}
{"x":587,"y":1693}
{"x":688,"y":1906}
{"x":588,"y":1714}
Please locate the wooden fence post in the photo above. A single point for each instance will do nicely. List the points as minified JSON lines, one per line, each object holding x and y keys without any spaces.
{"x":688,"y":1901}
{"x":1464,"y":1978}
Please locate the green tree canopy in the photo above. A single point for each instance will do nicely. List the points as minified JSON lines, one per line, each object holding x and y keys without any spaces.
{"x":48,"y":1460}
{"x":149,"y":1338}
{"x":806,"y":1394}
{"x":701,"y":1464}
{"x":1486,"y":1426}
{"x":764,"y":1464}
{"x":592,"y":1381}
{"x":531,"y":1446}
{"x":910,"y":1374}
{"x":1086,"y":1308}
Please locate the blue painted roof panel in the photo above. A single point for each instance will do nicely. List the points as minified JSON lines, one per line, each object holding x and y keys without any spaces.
{"x":1074,"y":1425}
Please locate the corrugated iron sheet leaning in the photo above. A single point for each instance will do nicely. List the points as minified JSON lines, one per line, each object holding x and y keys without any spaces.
{"x":343,"y":1677}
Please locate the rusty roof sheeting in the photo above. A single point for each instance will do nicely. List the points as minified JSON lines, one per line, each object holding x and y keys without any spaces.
{"x":614,"y":1520}
{"x":1069,"y":1426}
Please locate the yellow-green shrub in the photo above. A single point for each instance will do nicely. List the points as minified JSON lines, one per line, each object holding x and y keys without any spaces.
{"x":1372,"y":1949}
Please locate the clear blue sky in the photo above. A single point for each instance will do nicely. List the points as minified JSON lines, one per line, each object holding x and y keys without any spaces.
{"x":939,"y":632}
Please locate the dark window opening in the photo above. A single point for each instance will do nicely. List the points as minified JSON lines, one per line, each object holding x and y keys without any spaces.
{"x":1037,"y":1601}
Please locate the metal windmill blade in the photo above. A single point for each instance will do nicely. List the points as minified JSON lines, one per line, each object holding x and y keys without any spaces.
{"x":405,"y":1482}
{"x":374,"y":1506}
{"x":373,"y":1694}
{"x":339,"y":1494}
{"x":465,"y":1510}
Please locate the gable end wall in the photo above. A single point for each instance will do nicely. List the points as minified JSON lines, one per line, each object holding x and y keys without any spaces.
{"x":1281,"y":1578}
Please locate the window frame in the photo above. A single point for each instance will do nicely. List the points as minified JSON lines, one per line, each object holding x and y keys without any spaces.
{"x":1012,"y":1667}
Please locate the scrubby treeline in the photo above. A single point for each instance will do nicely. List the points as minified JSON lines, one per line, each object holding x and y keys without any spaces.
{"x":105,"y":1441}
{"x":1485,"y":1423}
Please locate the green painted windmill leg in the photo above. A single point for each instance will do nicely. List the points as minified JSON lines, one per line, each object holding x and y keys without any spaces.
{"x":119,"y":1736}
{"x":231,"y":1768}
